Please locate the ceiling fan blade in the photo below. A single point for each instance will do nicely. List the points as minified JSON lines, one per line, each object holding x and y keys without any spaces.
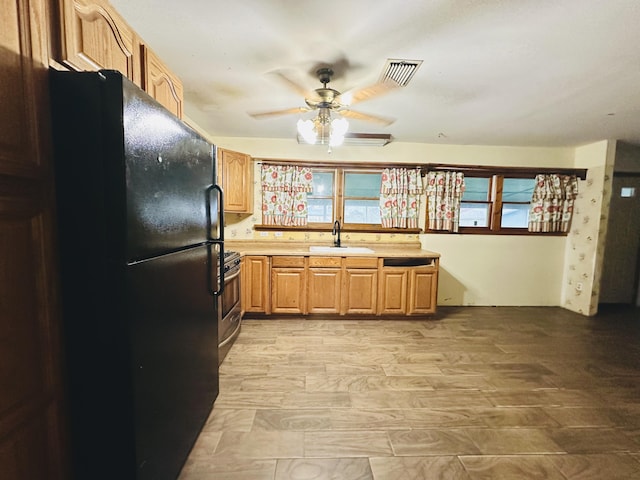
{"x":293,"y":85}
{"x":275,"y":113}
{"x":367,"y":93}
{"x":366,"y":117}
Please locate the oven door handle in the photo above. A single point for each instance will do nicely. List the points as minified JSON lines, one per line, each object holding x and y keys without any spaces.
{"x":228,"y":278}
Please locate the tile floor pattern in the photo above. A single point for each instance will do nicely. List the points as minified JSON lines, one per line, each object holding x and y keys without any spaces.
{"x":475,"y":393}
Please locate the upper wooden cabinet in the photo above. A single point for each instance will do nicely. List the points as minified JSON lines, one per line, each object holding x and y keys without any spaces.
{"x":160,"y":83}
{"x":236,"y":170}
{"x":94,"y":36}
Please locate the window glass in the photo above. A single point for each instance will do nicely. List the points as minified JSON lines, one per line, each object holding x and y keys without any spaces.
{"x":320,"y":210}
{"x":476,"y":189}
{"x":515,"y":215}
{"x":517,"y":189}
{"x":474,"y":215}
{"x":320,"y":200}
{"x":362,"y":198}
{"x":362,"y":211}
{"x":322,"y":184}
{"x":362,"y":184}
{"x":474,"y":206}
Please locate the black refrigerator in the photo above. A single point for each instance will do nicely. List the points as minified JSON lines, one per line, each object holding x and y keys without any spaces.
{"x":140,"y":239}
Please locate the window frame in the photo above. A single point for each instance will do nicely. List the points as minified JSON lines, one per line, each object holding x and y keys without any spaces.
{"x":338,"y":203}
{"x":339,"y":176}
{"x":496,"y":203}
{"x":468,"y":170}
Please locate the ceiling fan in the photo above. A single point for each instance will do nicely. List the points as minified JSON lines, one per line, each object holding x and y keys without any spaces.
{"x":326,"y":99}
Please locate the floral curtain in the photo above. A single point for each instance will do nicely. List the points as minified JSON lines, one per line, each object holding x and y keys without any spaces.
{"x":284,"y":194}
{"x":400,"y":192}
{"x":444,"y":190}
{"x":552,"y":203}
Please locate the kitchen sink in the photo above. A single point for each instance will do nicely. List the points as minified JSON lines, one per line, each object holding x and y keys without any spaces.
{"x":320,"y":248}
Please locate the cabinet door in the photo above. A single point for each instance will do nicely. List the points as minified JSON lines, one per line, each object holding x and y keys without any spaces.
{"x":237,"y":181}
{"x":392,"y":293}
{"x":95,"y":37}
{"x":288,"y":290}
{"x":325,"y":287}
{"x":255,"y":284}
{"x":32,"y":425}
{"x":160,"y":83}
{"x":360,"y":291}
{"x":422,"y":291}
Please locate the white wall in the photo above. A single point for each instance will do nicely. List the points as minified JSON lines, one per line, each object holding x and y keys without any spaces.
{"x":475,"y":269}
{"x":498,"y":269}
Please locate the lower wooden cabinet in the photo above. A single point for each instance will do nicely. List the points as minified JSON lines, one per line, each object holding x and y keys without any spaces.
{"x":288,"y":285}
{"x":407,"y":290}
{"x":360,"y":292}
{"x":337,"y":286}
{"x":423,"y":291}
{"x":392,"y":291}
{"x":256,"y":284}
{"x":324,"y":288}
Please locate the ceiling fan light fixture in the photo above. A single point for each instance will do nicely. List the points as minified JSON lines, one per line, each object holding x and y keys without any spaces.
{"x":306,"y":129}
{"x":323,"y":130}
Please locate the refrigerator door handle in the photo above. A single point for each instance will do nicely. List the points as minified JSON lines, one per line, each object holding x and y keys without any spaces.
{"x":220,"y":222}
{"x":216,"y":241}
{"x":219,"y":272}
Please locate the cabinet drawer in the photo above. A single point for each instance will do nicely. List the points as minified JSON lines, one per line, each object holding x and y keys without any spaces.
{"x":412,"y":262}
{"x":361,"y":262}
{"x":287,"y":261}
{"x":325,"y":261}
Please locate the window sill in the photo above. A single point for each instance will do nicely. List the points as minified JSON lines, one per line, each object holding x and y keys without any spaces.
{"x":343,"y":228}
{"x":486,"y":231}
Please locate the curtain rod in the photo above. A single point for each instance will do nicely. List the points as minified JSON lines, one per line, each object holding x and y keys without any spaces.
{"x":581,"y":173}
{"x":517,"y":172}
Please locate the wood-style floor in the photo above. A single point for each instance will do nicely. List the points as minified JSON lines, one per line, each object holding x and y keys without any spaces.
{"x":474,"y":393}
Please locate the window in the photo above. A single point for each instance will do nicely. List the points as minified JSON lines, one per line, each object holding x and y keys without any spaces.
{"x":495,"y":204}
{"x":361,"y":199}
{"x":475,"y":205}
{"x":516,"y":199}
{"x":320,"y":202}
{"x":351,"y":196}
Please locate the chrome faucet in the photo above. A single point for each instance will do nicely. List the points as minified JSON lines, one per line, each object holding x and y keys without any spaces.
{"x":336,"y":230}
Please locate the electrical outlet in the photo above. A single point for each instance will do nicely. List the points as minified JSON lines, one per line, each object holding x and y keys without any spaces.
{"x":264,"y":234}
{"x":579,"y":286}
{"x":277,"y":234}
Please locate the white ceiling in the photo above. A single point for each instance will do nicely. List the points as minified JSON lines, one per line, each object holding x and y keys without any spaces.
{"x":495,"y":72}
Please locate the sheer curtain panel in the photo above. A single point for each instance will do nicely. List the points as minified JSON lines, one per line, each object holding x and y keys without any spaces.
{"x":400,"y":192}
{"x":284,"y":194}
{"x":552,"y":203}
{"x":444,"y":191}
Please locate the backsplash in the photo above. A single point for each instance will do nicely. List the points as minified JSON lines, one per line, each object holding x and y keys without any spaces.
{"x":240,"y":227}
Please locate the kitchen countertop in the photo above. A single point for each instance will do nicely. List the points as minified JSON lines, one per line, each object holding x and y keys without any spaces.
{"x":398,"y":250}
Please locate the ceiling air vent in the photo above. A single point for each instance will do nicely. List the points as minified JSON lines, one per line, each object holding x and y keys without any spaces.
{"x":399,"y":71}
